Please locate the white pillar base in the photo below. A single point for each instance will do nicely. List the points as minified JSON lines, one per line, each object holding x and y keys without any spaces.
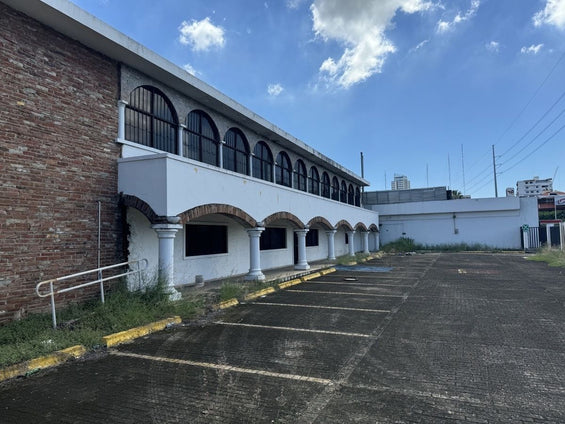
{"x":166,"y":234}
{"x":331,"y":244}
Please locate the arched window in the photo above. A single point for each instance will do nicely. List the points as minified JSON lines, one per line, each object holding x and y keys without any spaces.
{"x":326,"y":185}
{"x":343,"y":192}
{"x":151,"y":119}
{"x":201,"y":139}
{"x":300,"y":176}
{"x":335,"y":189}
{"x":351,"y":195}
{"x":357,"y":197}
{"x":283,"y":170}
{"x":235,"y":152}
{"x":262,"y":162}
{"x":314,"y":181}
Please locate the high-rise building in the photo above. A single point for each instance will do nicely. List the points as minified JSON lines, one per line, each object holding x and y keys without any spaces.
{"x":534,"y":187}
{"x":400,"y":182}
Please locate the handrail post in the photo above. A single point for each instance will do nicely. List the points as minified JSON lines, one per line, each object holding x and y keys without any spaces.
{"x":53,"y":313}
{"x":101,"y":285}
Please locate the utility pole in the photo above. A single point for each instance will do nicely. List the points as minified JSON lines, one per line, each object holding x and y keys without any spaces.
{"x":494,"y":170}
{"x":463,"y":169}
{"x":362,"y":173}
{"x":449,"y":170}
{"x":427,"y":177}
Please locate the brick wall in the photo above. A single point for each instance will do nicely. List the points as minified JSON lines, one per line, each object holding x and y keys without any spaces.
{"x":58,"y":122}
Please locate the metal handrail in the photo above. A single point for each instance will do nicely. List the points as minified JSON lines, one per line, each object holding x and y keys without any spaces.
{"x":100,"y":280}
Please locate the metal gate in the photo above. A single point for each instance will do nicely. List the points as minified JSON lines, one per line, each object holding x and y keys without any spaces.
{"x":530,"y":235}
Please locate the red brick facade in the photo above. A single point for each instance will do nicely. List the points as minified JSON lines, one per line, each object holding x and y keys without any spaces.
{"x":58,"y":122}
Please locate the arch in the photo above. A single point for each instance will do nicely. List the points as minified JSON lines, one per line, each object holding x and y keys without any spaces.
{"x":300,"y":176}
{"x":335,"y":189}
{"x":136,"y":203}
{"x":343,"y":192}
{"x":151,"y":119}
{"x":262,"y":162}
{"x":283,"y":170}
{"x":201,"y":139}
{"x":326,"y":187}
{"x":314,"y":181}
{"x":287,"y":216}
{"x":360,"y":227}
{"x":374,"y":228}
{"x":343,"y":223}
{"x":235,"y":152}
{"x":351,"y":195}
{"x":357,"y":196}
{"x":323,"y":222}
{"x":220,"y":209}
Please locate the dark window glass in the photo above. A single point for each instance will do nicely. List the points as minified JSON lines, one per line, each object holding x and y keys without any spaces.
{"x":335,"y":188}
{"x":326,"y":185}
{"x":300,"y":176}
{"x":150,"y":119}
{"x":357,"y":197}
{"x":206,"y":239}
{"x":351,"y":195}
{"x":283,"y":170}
{"x":201,"y":138}
{"x":343,"y":192}
{"x":273,"y":238}
{"x":346,"y":238}
{"x":312,"y":237}
{"x":262,"y":162}
{"x":314,"y":181}
{"x":236,"y":152}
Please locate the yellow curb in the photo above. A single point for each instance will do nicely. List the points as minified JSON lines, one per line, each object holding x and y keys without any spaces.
{"x":47,"y":361}
{"x":350,"y":263}
{"x":327,"y":271}
{"x":311,"y":276}
{"x":259,"y":293}
{"x":227,"y":303}
{"x":290,"y":283}
{"x":133,"y":333}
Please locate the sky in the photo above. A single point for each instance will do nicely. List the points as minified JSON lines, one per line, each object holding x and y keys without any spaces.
{"x":424,"y":88}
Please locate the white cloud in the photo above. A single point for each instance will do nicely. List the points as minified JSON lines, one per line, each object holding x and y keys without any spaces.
{"x":445,"y":26}
{"x":552,"y":14}
{"x":493,"y":46}
{"x":293,"y":4}
{"x":360,"y":26}
{"x":190,"y":69}
{"x":201,"y":35}
{"x":274,"y":89}
{"x":419,"y":46}
{"x":533,"y":49}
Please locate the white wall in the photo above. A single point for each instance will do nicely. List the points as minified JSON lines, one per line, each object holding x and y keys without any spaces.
{"x":493,"y":222}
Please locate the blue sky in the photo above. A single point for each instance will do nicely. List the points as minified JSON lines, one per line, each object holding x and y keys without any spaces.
{"x":422,"y":87}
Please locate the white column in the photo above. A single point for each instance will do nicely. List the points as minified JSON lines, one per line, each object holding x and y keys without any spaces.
{"x":274,"y":172}
{"x":166,"y":234}
{"x":366,"y":242}
{"x":331,"y":244}
{"x":122,"y":119}
{"x":180,"y":146}
{"x":351,"y":235}
{"x":251,"y":164}
{"x":301,"y":238}
{"x":221,"y":153}
{"x":255,"y":272}
{"x":377,"y":241}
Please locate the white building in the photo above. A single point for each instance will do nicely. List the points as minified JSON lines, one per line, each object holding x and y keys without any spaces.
{"x":534,"y":187}
{"x":400,"y":182}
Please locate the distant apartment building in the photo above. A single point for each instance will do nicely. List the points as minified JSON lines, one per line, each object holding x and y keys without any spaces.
{"x":534,"y":187}
{"x":400,"y":182}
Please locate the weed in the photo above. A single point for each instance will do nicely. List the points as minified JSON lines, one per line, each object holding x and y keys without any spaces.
{"x":553,"y":257}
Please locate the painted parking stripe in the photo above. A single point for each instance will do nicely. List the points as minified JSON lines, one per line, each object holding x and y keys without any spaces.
{"x":345,"y":293}
{"x":222,"y":367}
{"x":300,"y":330}
{"x":347,"y":283}
{"x":338,"y":308}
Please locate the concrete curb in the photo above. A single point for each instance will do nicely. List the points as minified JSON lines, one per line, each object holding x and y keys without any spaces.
{"x":47,"y":361}
{"x":227,"y":303}
{"x":133,"y":333}
{"x":259,"y":293}
{"x":290,"y":283}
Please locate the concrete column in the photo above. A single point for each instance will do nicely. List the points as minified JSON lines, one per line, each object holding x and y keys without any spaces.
{"x":180,"y":145}
{"x":366,"y":242}
{"x":377,"y":241}
{"x":122,"y":119}
{"x":221,"y":153}
{"x":250,"y":164}
{"x":255,"y":272}
{"x":351,"y":235}
{"x":166,"y":234}
{"x":331,"y":244}
{"x":301,"y":237}
{"x":274,"y":172}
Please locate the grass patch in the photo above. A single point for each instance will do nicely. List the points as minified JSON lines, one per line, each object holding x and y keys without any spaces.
{"x":238,"y":290}
{"x":88,"y":322}
{"x":405,"y":244}
{"x":553,"y":257}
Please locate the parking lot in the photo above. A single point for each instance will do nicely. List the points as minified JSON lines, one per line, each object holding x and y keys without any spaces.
{"x":427,"y":338}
